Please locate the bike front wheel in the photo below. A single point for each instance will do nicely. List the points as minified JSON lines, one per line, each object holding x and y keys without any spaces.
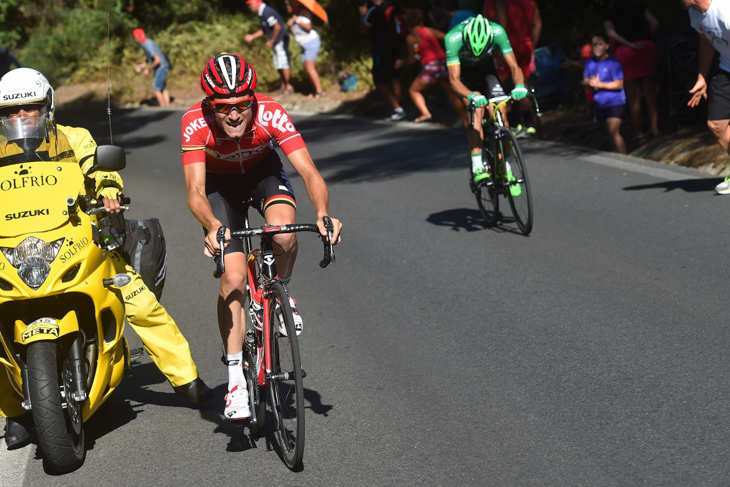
{"x":286,"y":388}
{"x":516,"y":182}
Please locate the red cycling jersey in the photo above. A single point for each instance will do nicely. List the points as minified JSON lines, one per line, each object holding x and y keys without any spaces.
{"x":203,"y":141}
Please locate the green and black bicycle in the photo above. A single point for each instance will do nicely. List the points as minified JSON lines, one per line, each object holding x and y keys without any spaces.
{"x":503,"y":160}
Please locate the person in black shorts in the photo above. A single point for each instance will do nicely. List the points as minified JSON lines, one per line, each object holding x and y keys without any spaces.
{"x":711,"y":23}
{"x":374,"y":22}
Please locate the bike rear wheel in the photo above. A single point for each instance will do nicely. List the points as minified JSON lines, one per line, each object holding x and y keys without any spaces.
{"x":486,"y":192}
{"x":286,"y":389}
{"x":60,"y":429}
{"x":517,"y":184}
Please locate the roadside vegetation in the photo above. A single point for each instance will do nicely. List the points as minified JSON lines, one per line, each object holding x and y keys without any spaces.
{"x":67,"y":39}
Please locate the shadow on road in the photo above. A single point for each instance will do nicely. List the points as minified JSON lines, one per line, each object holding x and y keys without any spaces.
{"x":471,"y":220}
{"x":378,"y":154}
{"x":92,"y":115}
{"x":459,"y":219}
{"x":688,"y":185}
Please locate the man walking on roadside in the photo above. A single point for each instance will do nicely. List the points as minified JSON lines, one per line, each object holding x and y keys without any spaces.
{"x":159,"y":65}
{"x":274,"y":27}
{"x":374,"y":23}
{"x":711,"y":18}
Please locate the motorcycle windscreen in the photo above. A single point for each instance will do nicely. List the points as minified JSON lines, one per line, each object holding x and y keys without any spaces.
{"x":38,"y":173}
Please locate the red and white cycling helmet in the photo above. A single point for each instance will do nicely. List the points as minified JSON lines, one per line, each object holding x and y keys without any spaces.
{"x":226,"y":75}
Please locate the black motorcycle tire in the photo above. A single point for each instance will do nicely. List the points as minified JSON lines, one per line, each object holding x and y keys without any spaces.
{"x":62,"y":448}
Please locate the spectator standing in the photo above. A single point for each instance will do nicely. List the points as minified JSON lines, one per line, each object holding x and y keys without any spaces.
{"x":523,"y":23}
{"x":7,"y":60}
{"x":583,"y":51}
{"x":159,"y":65}
{"x":711,"y":18}
{"x":272,"y":25}
{"x":300,"y":24}
{"x":385,"y":44}
{"x":631,"y":26}
{"x":424,"y":46}
{"x":603,"y":74}
{"x":459,"y":11}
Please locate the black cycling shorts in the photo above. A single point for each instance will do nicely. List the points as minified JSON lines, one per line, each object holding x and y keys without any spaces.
{"x":266,"y":185}
{"x":482,"y":79}
{"x":718,"y":107}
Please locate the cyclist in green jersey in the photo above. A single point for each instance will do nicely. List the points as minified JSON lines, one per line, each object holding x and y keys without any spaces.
{"x":473,"y":75}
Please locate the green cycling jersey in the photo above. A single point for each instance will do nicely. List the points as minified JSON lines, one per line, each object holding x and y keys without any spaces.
{"x":457,"y":52}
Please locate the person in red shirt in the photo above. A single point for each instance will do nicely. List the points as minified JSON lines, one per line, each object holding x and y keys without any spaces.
{"x":523,"y":23}
{"x":228,"y":158}
{"x":424,"y":47}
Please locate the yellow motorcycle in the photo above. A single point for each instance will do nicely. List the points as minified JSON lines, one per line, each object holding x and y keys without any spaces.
{"x":61,"y":316}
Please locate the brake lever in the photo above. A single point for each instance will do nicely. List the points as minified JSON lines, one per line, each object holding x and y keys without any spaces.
{"x":220,"y":264}
{"x":329,"y":251}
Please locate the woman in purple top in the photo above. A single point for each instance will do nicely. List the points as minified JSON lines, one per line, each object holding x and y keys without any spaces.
{"x":604,"y":75}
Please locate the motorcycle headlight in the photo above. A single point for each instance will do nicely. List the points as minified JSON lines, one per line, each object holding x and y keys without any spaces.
{"x":32,"y":258}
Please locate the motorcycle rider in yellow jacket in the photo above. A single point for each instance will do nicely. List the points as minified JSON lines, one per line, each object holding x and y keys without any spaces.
{"x":26,"y":92}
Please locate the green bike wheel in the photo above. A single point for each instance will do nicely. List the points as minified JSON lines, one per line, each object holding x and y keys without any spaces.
{"x":517,"y":184}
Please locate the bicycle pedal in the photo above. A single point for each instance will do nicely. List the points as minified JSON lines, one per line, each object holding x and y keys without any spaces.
{"x":304,"y":374}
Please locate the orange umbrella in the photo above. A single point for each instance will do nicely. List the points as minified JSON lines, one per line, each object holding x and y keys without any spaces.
{"x":315,"y":8}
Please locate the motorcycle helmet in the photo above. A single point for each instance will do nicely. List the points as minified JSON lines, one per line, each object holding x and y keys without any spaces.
{"x":478,"y":35}
{"x":226,"y":75}
{"x":26,"y":86}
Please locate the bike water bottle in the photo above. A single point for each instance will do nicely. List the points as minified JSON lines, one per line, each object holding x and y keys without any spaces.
{"x":256,"y":310}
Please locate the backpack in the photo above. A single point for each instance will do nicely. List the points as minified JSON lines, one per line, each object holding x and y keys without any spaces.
{"x":145,"y":250}
{"x":396,"y":22}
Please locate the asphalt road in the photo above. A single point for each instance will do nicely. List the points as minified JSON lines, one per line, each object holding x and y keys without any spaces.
{"x":439,"y":352}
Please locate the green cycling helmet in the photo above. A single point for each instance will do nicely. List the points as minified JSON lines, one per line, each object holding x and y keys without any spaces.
{"x":478,"y":35}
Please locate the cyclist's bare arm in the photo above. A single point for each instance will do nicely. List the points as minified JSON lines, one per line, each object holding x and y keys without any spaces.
{"x":517,"y":77}
{"x":316,"y":189}
{"x":200,"y":207}
{"x":456,"y":84}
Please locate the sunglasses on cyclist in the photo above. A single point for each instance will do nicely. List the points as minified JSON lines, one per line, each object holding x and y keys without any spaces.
{"x":226,"y":107}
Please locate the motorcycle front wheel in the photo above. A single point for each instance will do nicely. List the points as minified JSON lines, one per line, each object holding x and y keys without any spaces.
{"x":59,"y":429}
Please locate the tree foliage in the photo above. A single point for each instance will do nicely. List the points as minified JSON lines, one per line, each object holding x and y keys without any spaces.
{"x":67,"y":39}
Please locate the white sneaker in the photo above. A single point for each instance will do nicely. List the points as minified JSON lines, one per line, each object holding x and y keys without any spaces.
{"x":298,"y":323}
{"x":723,"y":187}
{"x":237,"y":407}
{"x":398,"y":114}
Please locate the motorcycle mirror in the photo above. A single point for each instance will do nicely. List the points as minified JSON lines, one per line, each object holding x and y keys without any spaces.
{"x":120,"y":280}
{"x":109,"y":158}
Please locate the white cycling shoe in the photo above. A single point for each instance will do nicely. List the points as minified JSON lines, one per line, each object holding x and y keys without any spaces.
{"x":298,"y":323}
{"x":237,"y":407}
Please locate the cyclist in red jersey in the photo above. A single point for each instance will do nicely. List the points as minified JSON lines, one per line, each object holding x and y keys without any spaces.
{"x":228,"y":158}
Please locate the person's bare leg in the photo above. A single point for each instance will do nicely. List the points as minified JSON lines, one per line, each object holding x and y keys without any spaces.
{"x":283,"y":215}
{"x":456,"y":101}
{"x":613,"y":126}
{"x":230,"y":303}
{"x":648,"y":86}
{"x":387,"y":91}
{"x":311,"y":68}
{"x":721,"y":130}
{"x":415,"y":91}
{"x":633,"y":103}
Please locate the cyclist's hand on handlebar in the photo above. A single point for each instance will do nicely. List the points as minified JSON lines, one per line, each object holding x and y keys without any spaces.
{"x":478,"y":100}
{"x":111,"y":205}
{"x":211,"y":241}
{"x":519,"y":92}
{"x":336,"y":229}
